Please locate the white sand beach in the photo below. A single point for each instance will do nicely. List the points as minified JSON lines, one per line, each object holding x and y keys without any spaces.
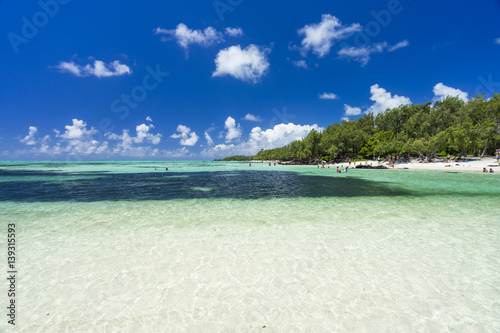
{"x":476,"y":165}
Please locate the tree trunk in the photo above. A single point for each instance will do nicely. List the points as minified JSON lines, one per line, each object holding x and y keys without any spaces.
{"x":484,"y":150}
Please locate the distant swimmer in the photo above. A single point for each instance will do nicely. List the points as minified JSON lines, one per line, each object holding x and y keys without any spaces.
{"x":166,"y":169}
{"x":249,"y":164}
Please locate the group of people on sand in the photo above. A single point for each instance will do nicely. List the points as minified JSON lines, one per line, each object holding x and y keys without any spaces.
{"x":486,"y":170}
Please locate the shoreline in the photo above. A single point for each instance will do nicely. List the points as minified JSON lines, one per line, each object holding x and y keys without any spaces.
{"x":475,"y":166}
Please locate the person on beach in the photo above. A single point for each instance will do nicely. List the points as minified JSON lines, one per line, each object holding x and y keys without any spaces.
{"x":491,"y":170}
{"x":449,"y":158}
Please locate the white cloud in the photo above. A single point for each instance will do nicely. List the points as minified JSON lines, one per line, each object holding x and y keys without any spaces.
{"x":299,"y":63}
{"x":30,"y":138}
{"x":221,"y":147}
{"x":384,"y":100}
{"x":78,"y":140}
{"x":441,"y":92}
{"x":178,"y":153}
{"x":127,"y":148}
{"x":362,"y":54}
{"x":143,"y":134}
{"x":399,"y":45}
{"x":99,"y":69}
{"x":233,"y":130}
{"x":320,"y":37}
{"x":77,"y":131}
{"x":497,"y":40}
{"x":234,"y":32}
{"x":278,"y":136}
{"x":351,"y":111}
{"x":328,"y":96}
{"x":187,"y":137}
{"x":249,"y":64}
{"x":251,"y":117}
{"x":148,"y":118}
{"x":186,"y":37}
{"x":345,"y":118}
{"x":209,"y":139}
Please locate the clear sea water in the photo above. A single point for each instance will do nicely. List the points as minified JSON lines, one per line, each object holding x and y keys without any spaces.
{"x":222,"y":247}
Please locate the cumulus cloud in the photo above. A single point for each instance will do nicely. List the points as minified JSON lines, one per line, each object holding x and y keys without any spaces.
{"x":328,"y":96}
{"x":233,"y":131}
{"x":234,"y":32}
{"x":186,"y":37}
{"x":399,"y":45}
{"x":441,"y":92}
{"x":98,"y":69}
{"x":278,"y":136}
{"x":384,"y":100}
{"x":187,"y":138}
{"x":77,"y":131}
{"x":351,"y":111}
{"x":248,"y":64}
{"x":320,"y":37}
{"x":128,"y":145}
{"x":79,"y":140}
{"x":30,"y":138}
{"x":251,"y":117}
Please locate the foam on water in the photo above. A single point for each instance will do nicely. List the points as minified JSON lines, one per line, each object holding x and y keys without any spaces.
{"x":425,"y":260}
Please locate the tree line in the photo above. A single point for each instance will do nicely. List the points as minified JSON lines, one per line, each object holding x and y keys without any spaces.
{"x":450,"y":126}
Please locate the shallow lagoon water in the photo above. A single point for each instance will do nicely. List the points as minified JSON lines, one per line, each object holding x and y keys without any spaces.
{"x":278,"y":249}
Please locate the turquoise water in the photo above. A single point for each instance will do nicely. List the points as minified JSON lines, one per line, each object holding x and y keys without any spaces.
{"x":213,"y":246}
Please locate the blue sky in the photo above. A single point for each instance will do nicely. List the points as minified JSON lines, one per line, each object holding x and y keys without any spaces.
{"x":126,"y":80}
